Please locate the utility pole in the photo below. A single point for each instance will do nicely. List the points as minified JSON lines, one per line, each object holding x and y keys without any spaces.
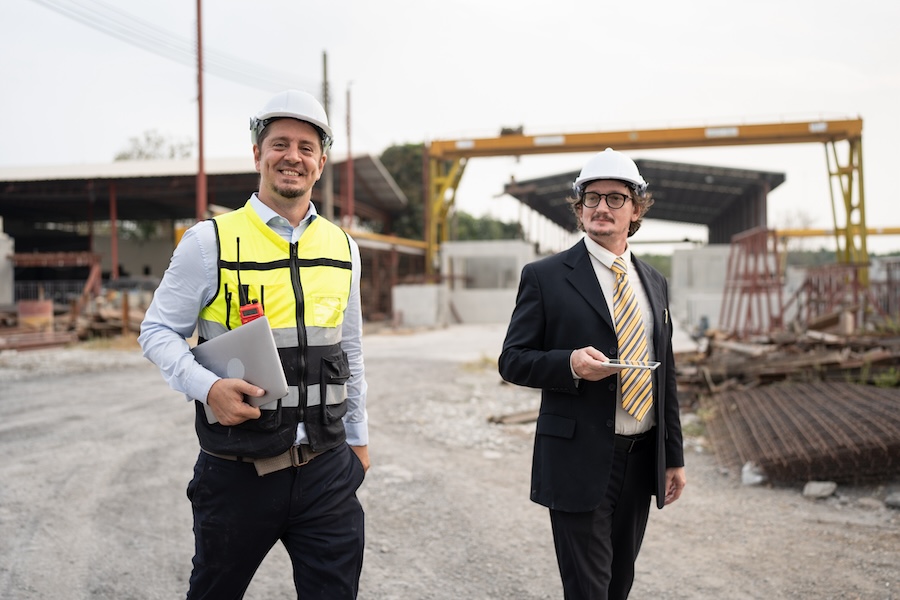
{"x":327,"y":177}
{"x":201,"y":169}
{"x":348,"y":205}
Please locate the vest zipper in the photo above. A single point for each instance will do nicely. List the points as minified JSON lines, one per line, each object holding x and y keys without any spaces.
{"x":301,"y":331}
{"x":227,"y":308}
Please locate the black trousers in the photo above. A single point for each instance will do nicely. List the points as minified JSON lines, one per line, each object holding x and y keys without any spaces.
{"x":313,"y":510}
{"x":596,"y":550}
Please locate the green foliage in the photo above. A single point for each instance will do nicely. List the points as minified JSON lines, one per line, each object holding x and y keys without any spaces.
{"x":887,"y":379}
{"x":660,"y":262}
{"x":468,"y":228}
{"x":815,"y":258}
{"x":404,"y":163}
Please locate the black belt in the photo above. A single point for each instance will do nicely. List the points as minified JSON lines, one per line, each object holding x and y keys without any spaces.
{"x":633,"y":443}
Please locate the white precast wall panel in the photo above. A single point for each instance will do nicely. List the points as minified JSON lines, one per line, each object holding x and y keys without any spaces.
{"x":7,"y":271}
{"x":698,"y":283}
{"x":483,"y":278}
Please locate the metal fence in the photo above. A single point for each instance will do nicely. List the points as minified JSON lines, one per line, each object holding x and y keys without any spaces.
{"x":67,"y":291}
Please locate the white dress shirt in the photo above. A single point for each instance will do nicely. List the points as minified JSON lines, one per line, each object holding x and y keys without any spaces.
{"x":602,"y":261}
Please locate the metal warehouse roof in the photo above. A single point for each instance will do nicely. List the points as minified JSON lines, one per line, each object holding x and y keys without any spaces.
{"x":726,"y":200}
{"x":163,"y":189}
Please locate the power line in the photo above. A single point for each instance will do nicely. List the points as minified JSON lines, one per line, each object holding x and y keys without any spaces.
{"x":113,"y":21}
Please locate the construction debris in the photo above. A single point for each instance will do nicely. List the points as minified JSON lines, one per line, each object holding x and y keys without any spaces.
{"x":42,"y":324}
{"x":799,"y":407}
{"x":17,"y":339}
{"x":812,"y":356}
{"x":842,"y":432}
{"x":516,"y":418}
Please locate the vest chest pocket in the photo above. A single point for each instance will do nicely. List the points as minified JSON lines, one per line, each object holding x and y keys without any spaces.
{"x":327,"y":311}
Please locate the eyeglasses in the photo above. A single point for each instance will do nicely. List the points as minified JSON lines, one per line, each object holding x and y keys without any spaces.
{"x":614,"y":200}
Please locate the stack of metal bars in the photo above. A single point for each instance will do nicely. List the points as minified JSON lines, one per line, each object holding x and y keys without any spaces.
{"x":797,"y":432}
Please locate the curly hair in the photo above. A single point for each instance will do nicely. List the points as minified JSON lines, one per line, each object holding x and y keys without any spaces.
{"x":643,"y":201}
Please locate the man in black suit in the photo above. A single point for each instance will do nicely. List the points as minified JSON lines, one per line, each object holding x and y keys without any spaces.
{"x":605,"y":443}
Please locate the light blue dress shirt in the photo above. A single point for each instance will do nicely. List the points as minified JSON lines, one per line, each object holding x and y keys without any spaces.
{"x":190,"y":283}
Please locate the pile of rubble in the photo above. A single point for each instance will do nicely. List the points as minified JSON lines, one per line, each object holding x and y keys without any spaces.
{"x":812,"y":356}
{"x":801,"y":407}
{"x":32,"y":324}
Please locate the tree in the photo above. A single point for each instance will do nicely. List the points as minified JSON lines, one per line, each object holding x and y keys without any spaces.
{"x":660,"y":262}
{"x":404,"y":163}
{"x":469,"y":227}
{"x":153,"y":146}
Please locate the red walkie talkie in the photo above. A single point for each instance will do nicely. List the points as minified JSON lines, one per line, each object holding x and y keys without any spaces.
{"x":250,"y":309}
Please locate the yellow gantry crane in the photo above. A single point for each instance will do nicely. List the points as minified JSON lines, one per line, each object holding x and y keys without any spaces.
{"x":447,"y":161}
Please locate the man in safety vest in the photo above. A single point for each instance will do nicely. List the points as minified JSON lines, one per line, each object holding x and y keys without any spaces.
{"x":289,"y":469}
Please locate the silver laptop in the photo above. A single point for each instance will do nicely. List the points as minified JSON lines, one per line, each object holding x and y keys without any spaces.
{"x":247,"y":353}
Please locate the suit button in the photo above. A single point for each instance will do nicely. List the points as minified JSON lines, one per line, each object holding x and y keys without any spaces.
{"x":612,"y":387}
{"x":611,"y":353}
{"x":610,"y":423}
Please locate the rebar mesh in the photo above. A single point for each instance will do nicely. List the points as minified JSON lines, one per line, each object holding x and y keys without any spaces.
{"x":832,"y":431}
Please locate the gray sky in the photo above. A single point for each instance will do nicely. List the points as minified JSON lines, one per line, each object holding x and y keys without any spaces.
{"x":421,"y":70}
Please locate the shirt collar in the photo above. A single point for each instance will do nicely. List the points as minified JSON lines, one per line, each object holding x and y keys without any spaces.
{"x":605,"y":257}
{"x":268,"y":215}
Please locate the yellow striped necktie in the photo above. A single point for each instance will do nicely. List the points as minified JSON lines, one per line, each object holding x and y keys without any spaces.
{"x":637,"y":389}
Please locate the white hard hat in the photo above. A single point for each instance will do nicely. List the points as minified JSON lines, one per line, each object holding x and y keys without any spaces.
{"x":609,"y":164}
{"x":296,"y":105}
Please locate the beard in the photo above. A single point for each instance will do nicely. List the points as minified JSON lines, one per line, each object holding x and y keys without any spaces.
{"x":288,"y":191}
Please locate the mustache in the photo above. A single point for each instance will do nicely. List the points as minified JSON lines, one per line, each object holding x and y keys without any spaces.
{"x":604,"y":218}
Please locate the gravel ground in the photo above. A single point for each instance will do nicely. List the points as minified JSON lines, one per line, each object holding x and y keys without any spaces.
{"x":97,"y":452}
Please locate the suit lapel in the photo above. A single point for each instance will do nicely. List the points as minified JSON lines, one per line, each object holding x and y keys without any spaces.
{"x":584,"y":280}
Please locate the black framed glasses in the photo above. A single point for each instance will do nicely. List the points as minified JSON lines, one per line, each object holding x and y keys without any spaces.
{"x":614,"y":200}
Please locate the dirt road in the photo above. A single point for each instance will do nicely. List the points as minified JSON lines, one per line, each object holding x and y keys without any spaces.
{"x":97,"y":451}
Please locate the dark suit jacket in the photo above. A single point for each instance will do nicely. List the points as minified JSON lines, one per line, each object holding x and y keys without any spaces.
{"x":560,"y":307}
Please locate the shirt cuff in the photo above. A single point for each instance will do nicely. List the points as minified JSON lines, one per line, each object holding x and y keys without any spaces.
{"x":357,"y":433}
{"x":572,"y":369}
{"x":199,"y":383}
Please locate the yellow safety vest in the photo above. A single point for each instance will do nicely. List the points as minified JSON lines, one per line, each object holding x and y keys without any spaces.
{"x":303,"y":289}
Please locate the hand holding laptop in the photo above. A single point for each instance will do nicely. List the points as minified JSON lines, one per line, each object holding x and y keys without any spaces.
{"x":247,"y":354}
{"x":226,"y":400}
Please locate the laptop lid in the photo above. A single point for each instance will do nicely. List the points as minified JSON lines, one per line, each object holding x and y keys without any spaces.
{"x":247,"y":353}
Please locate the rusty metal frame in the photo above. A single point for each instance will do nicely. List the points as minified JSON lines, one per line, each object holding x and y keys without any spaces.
{"x":752,"y":300}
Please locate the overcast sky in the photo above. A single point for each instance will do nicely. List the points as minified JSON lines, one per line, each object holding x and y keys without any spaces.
{"x":419,"y":70}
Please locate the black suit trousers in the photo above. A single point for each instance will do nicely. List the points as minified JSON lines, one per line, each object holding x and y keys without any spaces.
{"x":596,"y":550}
{"x":313,"y":510}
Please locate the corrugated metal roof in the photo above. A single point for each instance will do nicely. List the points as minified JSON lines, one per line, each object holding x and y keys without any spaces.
{"x":124,"y":169}
{"x":164,"y":189}
{"x":727,"y":200}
